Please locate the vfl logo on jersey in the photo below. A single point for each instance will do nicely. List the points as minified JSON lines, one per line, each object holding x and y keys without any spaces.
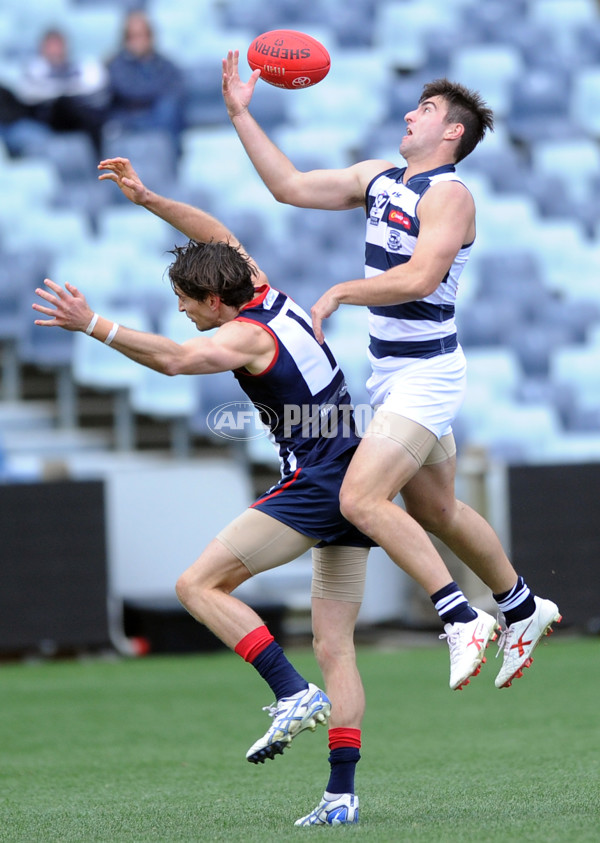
{"x":378,"y":207}
{"x":400,"y":218}
{"x":394,"y":241}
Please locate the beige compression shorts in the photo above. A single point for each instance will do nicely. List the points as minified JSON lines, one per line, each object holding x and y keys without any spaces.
{"x":262,"y":543}
{"x":418,"y":441}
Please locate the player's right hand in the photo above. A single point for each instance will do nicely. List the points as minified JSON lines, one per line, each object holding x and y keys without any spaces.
{"x":125,"y":177}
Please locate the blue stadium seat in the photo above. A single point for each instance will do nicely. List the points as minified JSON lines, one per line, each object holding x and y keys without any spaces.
{"x":585,"y":100}
{"x":489,"y":68}
{"x":152,"y":152}
{"x":539,"y":105}
{"x":578,"y":159}
{"x":99,"y":368}
{"x":401,"y":30}
{"x":511,"y":431}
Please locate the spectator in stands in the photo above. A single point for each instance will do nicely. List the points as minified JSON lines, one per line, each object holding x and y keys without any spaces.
{"x":146,"y":87}
{"x":56,"y":93}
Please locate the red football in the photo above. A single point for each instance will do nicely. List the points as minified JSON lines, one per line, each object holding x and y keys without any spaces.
{"x":289,"y":59}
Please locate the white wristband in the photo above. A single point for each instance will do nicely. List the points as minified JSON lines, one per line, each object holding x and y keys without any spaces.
{"x":92,"y":324}
{"x":111,"y":334}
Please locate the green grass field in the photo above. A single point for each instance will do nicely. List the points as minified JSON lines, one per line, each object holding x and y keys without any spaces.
{"x":124,"y":751}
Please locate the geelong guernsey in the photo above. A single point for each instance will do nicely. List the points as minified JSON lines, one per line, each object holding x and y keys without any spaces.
{"x":422,"y":328}
{"x":302,"y":396}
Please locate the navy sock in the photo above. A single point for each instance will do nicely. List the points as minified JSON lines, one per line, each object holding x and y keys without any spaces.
{"x":452,"y":606}
{"x":283,"y":679}
{"x":516,"y":604}
{"x":343,"y":765}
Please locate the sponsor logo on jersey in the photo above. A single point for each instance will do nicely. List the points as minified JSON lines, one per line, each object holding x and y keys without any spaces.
{"x":400,"y":218}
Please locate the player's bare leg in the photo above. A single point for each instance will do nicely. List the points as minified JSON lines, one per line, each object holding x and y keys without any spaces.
{"x":380,"y":468}
{"x":204,"y":589}
{"x":333,"y":631}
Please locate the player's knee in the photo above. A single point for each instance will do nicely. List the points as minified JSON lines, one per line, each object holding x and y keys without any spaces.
{"x":355,"y":509}
{"x":183,"y":588}
{"x":331,"y":650}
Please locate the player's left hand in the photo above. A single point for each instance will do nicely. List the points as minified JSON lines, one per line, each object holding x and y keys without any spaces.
{"x":322,"y":309}
{"x":69,"y":309}
{"x":237,"y":94}
{"x":120,"y":170}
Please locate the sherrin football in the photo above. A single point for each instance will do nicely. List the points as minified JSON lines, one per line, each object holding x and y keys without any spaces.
{"x":289,"y":59}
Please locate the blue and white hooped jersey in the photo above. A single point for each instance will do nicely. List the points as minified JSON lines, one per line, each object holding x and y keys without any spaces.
{"x":302,"y":396}
{"x":421,"y":328}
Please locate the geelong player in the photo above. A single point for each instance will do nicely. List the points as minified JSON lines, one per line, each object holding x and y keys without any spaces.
{"x":420,"y":227}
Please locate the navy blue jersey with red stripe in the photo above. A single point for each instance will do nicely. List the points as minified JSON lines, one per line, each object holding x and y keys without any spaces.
{"x":302,"y":396}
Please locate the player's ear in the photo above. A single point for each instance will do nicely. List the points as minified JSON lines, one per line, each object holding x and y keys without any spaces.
{"x":455,"y":131}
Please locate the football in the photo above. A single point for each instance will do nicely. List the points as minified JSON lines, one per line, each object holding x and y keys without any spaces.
{"x":289,"y":59}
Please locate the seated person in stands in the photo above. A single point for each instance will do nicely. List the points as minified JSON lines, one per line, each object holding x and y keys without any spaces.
{"x":146,"y":88}
{"x":56,"y":93}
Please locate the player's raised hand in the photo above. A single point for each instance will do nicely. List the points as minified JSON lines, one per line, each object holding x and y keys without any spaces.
{"x":67,"y":308}
{"x":120,"y":170}
{"x":237,"y":94}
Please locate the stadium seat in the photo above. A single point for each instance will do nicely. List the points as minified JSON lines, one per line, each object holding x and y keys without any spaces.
{"x":75,"y":159}
{"x":171,"y":400}
{"x":314,"y":147}
{"x":535,"y":342}
{"x":152,"y":152}
{"x":577,"y":366}
{"x":99,"y":368}
{"x":28,"y":181}
{"x":214,"y":160}
{"x":511,"y":274}
{"x":485,"y":321}
{"x":564,"y":16}
{"x":31,"y":19}
{"x":93,"y":31}
{"x":491,"y":69}
{"x":355,"y":76}
{"x":401,"y":30}
{"x":585,"y":100}
{"x":577,"y":158}
{"x":560,"y":246}
{"x":506,"y":218}
{"x":20,"y":274}
{"x":539,"y":105}
{"x":47,"y":229}
{"x":511,"y":431}
{"x":347,"y":334}
{"x":139,"y":229}
{"x":203,"y":99}
{"x":493,"y":371}
{"x":51,"y":350}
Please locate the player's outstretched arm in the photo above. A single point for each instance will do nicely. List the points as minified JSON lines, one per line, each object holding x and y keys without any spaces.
{"x":193,"y":222}
{"x":68,"y":308}
{"x":233,"y":346}
{"x":325,"y":189}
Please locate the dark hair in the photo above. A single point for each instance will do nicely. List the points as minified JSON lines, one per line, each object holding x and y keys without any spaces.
{"x":200,"y":269}
{"x":466,"y":107}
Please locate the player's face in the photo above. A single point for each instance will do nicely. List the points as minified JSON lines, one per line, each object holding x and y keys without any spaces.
{"x":202,"y":313}
{"x":425,"y":127}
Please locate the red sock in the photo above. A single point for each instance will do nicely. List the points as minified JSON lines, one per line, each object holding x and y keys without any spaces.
{"x":343,"y":737}
{"x":254,"y":643}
